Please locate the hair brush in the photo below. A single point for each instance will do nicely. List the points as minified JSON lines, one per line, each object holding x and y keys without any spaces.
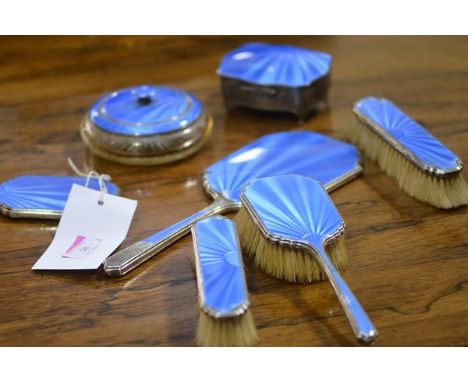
{"x":287,"y":224}
{"x":424,"y":168}
{"x":225,"y":318}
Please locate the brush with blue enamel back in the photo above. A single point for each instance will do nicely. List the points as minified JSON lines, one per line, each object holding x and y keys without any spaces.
{"x":225,"y":318}
{"x":424,"y":168}
{"x":292,"y":229}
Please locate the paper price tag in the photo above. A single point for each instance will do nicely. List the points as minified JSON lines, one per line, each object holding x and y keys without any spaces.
{"x":88,"y":232}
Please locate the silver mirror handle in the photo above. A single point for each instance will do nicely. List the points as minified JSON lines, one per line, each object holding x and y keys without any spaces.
{"x":132,"y":256}
{"x":362,"y":326}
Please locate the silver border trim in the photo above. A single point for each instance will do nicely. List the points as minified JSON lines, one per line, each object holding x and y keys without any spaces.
{"x":276,"y":239}
{"x":382,"y":133}
{"x":17,"y":213}
{"x":238,"y":310}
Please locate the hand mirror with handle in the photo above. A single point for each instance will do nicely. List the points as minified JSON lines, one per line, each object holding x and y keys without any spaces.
{"x":327,"y":160}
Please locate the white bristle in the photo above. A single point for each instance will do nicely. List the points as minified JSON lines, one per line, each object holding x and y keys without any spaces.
{"x":230,"y":331}
{"x":441,"y":192}
{"x":285,"y":262}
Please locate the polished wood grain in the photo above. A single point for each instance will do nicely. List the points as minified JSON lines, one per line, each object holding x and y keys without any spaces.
{"x":409,"y":261}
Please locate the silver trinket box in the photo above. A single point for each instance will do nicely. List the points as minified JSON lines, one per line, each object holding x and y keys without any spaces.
{"x":280,"y":78}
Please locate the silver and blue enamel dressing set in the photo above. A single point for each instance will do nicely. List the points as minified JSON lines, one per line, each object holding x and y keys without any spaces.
{"x":277,"y":184}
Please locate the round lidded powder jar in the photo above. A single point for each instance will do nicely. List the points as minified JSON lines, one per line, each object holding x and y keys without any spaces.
{"x":145,"y":125}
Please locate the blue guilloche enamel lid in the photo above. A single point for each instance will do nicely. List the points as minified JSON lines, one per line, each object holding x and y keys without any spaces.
{"x":275,"y":65}
{"x":145,"y":110}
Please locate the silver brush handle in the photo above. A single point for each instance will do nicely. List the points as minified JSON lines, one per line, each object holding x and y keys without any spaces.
{"x":362,"y":326}
{"x":131,"y":257}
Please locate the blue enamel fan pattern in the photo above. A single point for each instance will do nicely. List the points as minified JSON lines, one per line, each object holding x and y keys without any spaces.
{"x":429,"y":151}
{"x":145,"y":110}
{"x":275,"y":65}
{"x":48,"y":193}
{"x":298,"y":152}
{"x":293,"y":207}
{"x":220,"y":267}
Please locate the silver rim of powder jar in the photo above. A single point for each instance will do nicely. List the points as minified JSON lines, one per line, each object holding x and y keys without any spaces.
{"x":147,"y":149}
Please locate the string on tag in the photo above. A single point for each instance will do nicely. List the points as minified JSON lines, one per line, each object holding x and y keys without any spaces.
{"x":101,"y":178}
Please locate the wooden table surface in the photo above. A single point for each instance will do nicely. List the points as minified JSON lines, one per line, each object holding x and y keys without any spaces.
{"x":408,"y":260}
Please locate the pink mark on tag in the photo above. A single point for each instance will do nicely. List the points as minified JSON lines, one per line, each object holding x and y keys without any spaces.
{"x":81,"y":247}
